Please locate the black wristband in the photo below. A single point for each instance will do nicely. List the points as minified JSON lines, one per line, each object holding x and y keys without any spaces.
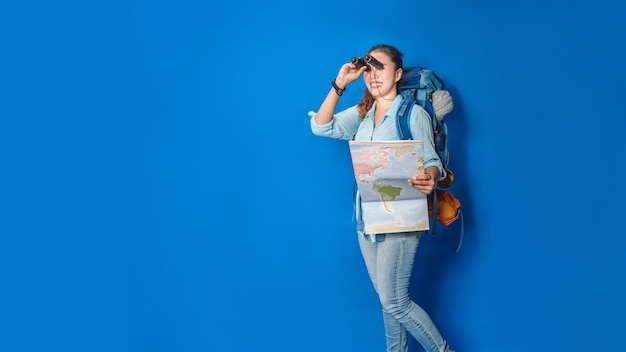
{"x":338,"y":90}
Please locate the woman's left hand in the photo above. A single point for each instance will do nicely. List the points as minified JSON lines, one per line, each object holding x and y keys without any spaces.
{"x":424,"y":182}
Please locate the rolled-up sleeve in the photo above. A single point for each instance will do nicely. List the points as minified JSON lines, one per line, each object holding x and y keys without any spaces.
{"x":422,"y":130}
{"x":343,"y":125}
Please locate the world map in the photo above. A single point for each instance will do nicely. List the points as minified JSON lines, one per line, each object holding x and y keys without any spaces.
{"x":389,"y":204}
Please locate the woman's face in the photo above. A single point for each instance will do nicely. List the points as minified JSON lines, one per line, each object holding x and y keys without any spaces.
{"x":380,"y":82}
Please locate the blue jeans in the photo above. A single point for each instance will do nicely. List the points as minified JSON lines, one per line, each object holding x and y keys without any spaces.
{"x":390,"y":265}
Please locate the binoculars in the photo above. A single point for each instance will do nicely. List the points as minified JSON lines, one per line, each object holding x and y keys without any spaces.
{"x":367,"y":61}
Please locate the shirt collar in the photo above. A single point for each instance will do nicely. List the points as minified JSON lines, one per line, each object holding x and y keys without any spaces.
{"x":393,"y":109}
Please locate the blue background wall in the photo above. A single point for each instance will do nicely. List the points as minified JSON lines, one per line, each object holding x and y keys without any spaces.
{"x":150,"y":203}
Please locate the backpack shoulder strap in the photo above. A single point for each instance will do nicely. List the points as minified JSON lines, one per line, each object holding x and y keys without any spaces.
{"x":404,"y":116}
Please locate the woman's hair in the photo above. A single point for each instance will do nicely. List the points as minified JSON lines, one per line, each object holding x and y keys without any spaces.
{"x":396,"y":57}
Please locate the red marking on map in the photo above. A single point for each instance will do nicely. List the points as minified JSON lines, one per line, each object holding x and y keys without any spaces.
{"x":367,"y":160}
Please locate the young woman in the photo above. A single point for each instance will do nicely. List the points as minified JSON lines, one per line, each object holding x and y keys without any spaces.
{"x":388,"y":257}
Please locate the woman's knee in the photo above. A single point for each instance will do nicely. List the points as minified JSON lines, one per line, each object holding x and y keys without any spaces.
{"x":394,"y":304}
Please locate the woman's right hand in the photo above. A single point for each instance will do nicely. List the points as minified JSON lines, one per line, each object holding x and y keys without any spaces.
{"x":348,"y":74}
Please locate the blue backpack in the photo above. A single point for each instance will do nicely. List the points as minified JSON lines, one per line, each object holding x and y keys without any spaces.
{"x":422,"y":86}
{"x":417,"y":86}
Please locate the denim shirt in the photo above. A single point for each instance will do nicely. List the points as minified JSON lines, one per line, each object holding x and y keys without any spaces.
{"x":346,"y":125}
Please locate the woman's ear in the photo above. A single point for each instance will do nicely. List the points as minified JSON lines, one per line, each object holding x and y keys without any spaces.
{"x":399,"y":74}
